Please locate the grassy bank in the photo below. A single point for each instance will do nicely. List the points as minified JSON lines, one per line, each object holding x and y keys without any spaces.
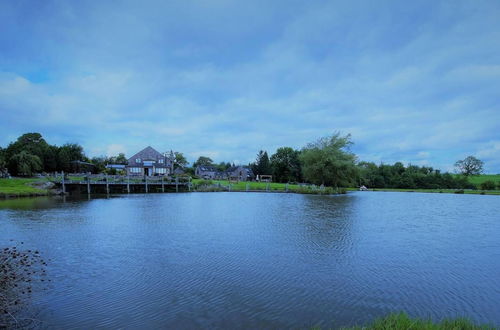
{"x":478,"y":179}
{"x":20,"y":187}
{"x":442,"y":191}
{"x":403,"y":321}
{"x":263,"y":186}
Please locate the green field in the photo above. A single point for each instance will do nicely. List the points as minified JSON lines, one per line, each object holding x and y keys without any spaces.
{"x":18,"y":187}
{"x":478,"y":179}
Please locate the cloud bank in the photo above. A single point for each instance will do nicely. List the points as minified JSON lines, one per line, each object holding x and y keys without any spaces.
{"x":412,"y":82}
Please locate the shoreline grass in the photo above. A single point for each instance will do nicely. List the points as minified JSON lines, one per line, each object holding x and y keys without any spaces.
{"x":21,"y":187}
{"x":403,"y":321}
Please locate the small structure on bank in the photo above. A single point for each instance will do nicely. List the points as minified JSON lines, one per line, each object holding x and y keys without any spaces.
{"x":363,"y":188}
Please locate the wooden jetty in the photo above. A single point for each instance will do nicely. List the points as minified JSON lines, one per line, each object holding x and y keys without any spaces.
{"x":119,"y":184}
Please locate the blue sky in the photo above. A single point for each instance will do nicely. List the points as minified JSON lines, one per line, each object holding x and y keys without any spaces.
{"x":412,"y":81}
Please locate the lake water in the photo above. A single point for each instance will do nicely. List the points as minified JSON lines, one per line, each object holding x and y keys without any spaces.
{"x":257,"y":260}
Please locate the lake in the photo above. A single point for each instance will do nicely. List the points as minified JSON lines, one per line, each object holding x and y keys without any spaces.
{"x":257,"y":260}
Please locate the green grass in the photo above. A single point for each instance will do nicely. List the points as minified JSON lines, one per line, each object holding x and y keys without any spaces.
{"x":20,"y":187}
{"x":478,"y":179}
{"x":403,"y":321}
{"x":444,"y":191}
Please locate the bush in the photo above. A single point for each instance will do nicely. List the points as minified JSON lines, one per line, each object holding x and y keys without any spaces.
{"x":487,"y":185}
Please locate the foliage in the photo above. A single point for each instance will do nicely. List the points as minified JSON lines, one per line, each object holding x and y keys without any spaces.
{"x":285,"y":165}
{"x":262,"y":165}
{"x":202,"y":160}
{"x":488,"y":185}
{"x":328,"y":161}
{"x":52,"y":158}
{"x":469,"y":166}
{"x":180,"y":160}
{"x":24,"y":164}
{"x":3,"y":163}
{"x":410,"y":177}
{"x":403,"y":321}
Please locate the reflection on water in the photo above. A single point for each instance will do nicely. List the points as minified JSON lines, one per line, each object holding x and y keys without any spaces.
{"x":256,"y":260}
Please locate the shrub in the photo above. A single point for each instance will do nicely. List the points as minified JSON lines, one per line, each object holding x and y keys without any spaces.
{"x":487,"y":185}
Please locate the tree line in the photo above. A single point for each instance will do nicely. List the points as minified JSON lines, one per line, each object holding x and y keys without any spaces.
{"x":327,"y":161}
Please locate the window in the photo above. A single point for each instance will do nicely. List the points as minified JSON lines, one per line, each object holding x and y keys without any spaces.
{"x":137,"y":160}
{"x":135,"y":170}
{"x":160,"y":161}
{"x":161,"y":170}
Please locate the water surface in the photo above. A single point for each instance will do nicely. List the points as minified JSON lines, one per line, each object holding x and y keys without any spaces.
{"x":257,"y":260}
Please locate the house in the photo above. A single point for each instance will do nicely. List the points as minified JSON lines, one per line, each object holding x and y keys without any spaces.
{"x":207,"y":172}
{"x":239,"y":173}
{"x":149,"y":162}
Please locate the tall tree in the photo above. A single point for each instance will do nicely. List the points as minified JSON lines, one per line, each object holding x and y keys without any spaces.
{"x":329,"y":161}
{"x":469,"y":166}
{"x":202,"y":160}
{"x":262,"y":165}
{"x":285,"y":165}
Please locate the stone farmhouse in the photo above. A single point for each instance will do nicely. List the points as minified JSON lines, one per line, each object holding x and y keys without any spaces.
{"x":150,"y":162}
{"x":239,"y":173}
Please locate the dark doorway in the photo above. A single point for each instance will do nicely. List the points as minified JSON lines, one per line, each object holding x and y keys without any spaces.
{"x":146,"y":171}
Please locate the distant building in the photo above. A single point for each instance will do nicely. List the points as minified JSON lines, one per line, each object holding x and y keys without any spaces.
{"x":149,"y":162}
{"x":239,"y":173}
{"x":208,"y":172}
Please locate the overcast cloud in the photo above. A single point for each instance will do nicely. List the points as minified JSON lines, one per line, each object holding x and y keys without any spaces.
{"x":416,"y":82}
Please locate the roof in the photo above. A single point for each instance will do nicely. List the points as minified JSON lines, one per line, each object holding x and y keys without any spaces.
{"x":147,"y":153}
{"x":207,"y":168}
{"x":117,"y":166}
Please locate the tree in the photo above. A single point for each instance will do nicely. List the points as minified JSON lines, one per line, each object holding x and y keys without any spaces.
{"x":2,"y":158}
{"x":262,"y":164}
{"x":120,"y":159}
{"x":25,"y":164}
{"x":285,"y":165}
{"x":328,"y":161}
{"x":67,"y":153}
{"x":202,"y":160}
{"x":469,"y":166}
{"x":32,"y":143}
{"x":180,"y":160}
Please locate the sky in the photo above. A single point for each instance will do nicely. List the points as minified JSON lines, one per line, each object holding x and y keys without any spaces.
{"x":411,"y":81}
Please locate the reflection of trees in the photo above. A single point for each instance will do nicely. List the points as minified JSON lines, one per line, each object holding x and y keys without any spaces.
{"x":327,"y":221}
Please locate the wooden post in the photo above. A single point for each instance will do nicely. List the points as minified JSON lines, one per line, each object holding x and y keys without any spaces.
{"x":128,"y":184}
{"x":176,"y":184}
{"x":286,"y":187}
{"x":146,"y":182}
{"x":247,"y":187}
{"x":63,"y":185}
{"x":88,"y":184}
{"x":107,"y":184}
{"x":189,"y":184}
{"x":162,"y":184}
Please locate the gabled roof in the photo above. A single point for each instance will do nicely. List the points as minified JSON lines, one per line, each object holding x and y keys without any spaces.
{"x":207,"y":168}
{"x":147,"y":153}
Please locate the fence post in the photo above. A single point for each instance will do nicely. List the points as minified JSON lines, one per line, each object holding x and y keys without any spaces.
{"x":176,"y":184}
{"x":128,"y":184}
{"x":267,"y":186}
{"x":189,"y":184}
{"x":162,"y":184}
{"x":146,"y":182}
{"x":247,"y":186}
{"x":88,"y":184}
{"x":63,"y":185}
{"x":107,"y":184}
{"x":286,"y":187}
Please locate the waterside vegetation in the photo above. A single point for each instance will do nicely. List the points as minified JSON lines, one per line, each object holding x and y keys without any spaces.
{"x":399,"y":321}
